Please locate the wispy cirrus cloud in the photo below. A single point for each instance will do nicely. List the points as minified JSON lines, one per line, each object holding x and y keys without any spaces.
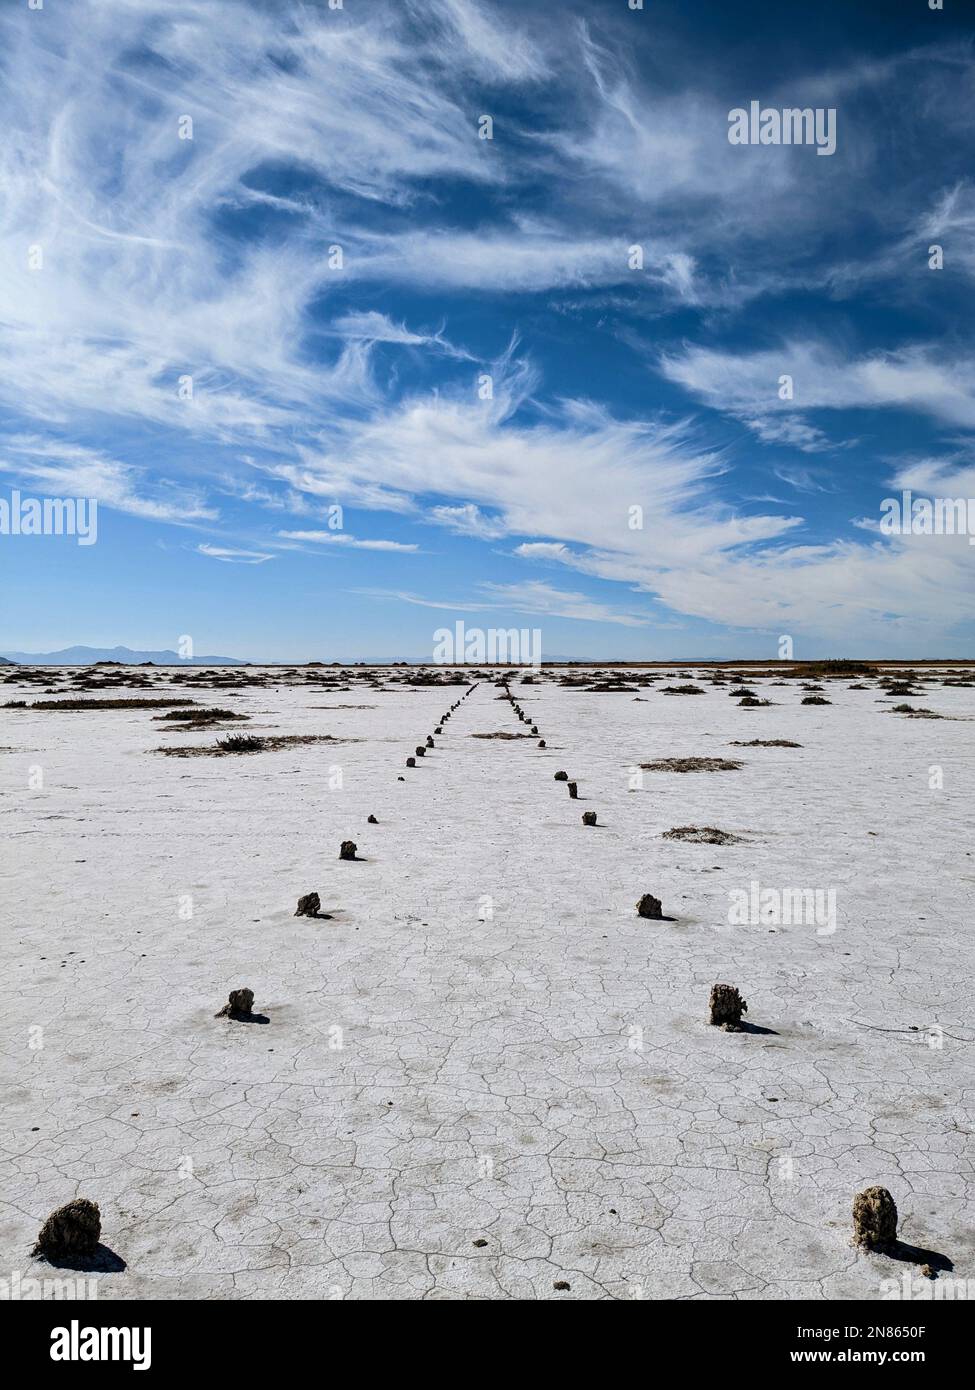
{"x":231,"y":556}
{"x":73,"y":470}
{"x":343,"y":541}
{"x":531,"y":597}
{"x":747,"y":386}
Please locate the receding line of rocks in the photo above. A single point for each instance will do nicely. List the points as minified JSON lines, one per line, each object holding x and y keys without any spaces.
{"x":72,"y":1232}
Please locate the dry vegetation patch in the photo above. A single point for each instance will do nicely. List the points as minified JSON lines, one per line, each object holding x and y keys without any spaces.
{"x":250,"y":743}
{"x":764,"y":743}
{"x":693,"y":765}
{"x":75,"y":704}
{"x":702,"y":835}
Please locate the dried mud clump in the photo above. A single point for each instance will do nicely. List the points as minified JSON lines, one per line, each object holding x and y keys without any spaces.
{"x":589,"y":817}
{"x":309,"y":906}
{"x":502,"y":734}
{"x":693,"y":765}
{"x":561,"y":777}
{"x":702,"y":835}
{"x":347,"y":849}
{"x":726,"y":1007}
{"x":240,"y":1004}
{"x":73,"y":1230}
{"x":874,"y":1219}
{"x":765,"y":743}
{"x":650,"y":907}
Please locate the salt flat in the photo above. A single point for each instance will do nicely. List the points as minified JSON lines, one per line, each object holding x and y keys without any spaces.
{"x":486,"y":1075}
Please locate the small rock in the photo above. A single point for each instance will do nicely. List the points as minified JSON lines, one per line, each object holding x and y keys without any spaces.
{"x":573,"y":790}
{"x":430,"y":743}
{"x":727,"y":1007}
{"x":561,"y":777}
{"x":874,"y":1219}
{"x":411,"y":762}
{"x":240,"y":1004}
{"x":589,"y":817}
{"x":371,"y":820}
{"x":420,"y":750}
{"x":561,"y":1285}
{"x":72,"y":1230}
{"x":541,"y":743}
{"x":651,"y":907}
{"x":347,"y":849}
{"x":309,"y":906}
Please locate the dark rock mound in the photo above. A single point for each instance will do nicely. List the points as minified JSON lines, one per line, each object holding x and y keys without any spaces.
{"x":874,"y":1219}
{"x":240,"y":1004}
{"x":71,"y":1231}
{"x":727,"y":1007}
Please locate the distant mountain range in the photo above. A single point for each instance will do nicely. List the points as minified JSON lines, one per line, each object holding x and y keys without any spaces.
{"x":84,"y":656}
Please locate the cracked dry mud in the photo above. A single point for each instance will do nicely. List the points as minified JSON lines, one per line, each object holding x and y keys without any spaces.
{"x":488,"y":1087}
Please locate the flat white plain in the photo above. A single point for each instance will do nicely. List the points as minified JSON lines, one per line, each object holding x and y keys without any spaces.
{"x":488,"y":979}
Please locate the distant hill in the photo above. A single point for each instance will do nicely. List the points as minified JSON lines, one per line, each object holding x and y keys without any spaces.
{"x":84,"y":656}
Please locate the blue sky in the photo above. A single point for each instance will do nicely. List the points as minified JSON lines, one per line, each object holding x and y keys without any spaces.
{"x":316,"y":384}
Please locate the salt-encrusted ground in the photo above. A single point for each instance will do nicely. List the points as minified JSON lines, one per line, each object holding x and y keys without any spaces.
{"x":490,"y":1125}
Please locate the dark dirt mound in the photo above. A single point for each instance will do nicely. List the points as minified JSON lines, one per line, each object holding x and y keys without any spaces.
{"x":499,"y":735}
{"x":693,"y":765}
{"x":765,"y":743}
{"x":702,"y":835}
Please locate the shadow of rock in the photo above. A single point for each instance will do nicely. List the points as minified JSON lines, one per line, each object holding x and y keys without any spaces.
{"x":102,"y":1261}
{"x":915,"y":1255}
